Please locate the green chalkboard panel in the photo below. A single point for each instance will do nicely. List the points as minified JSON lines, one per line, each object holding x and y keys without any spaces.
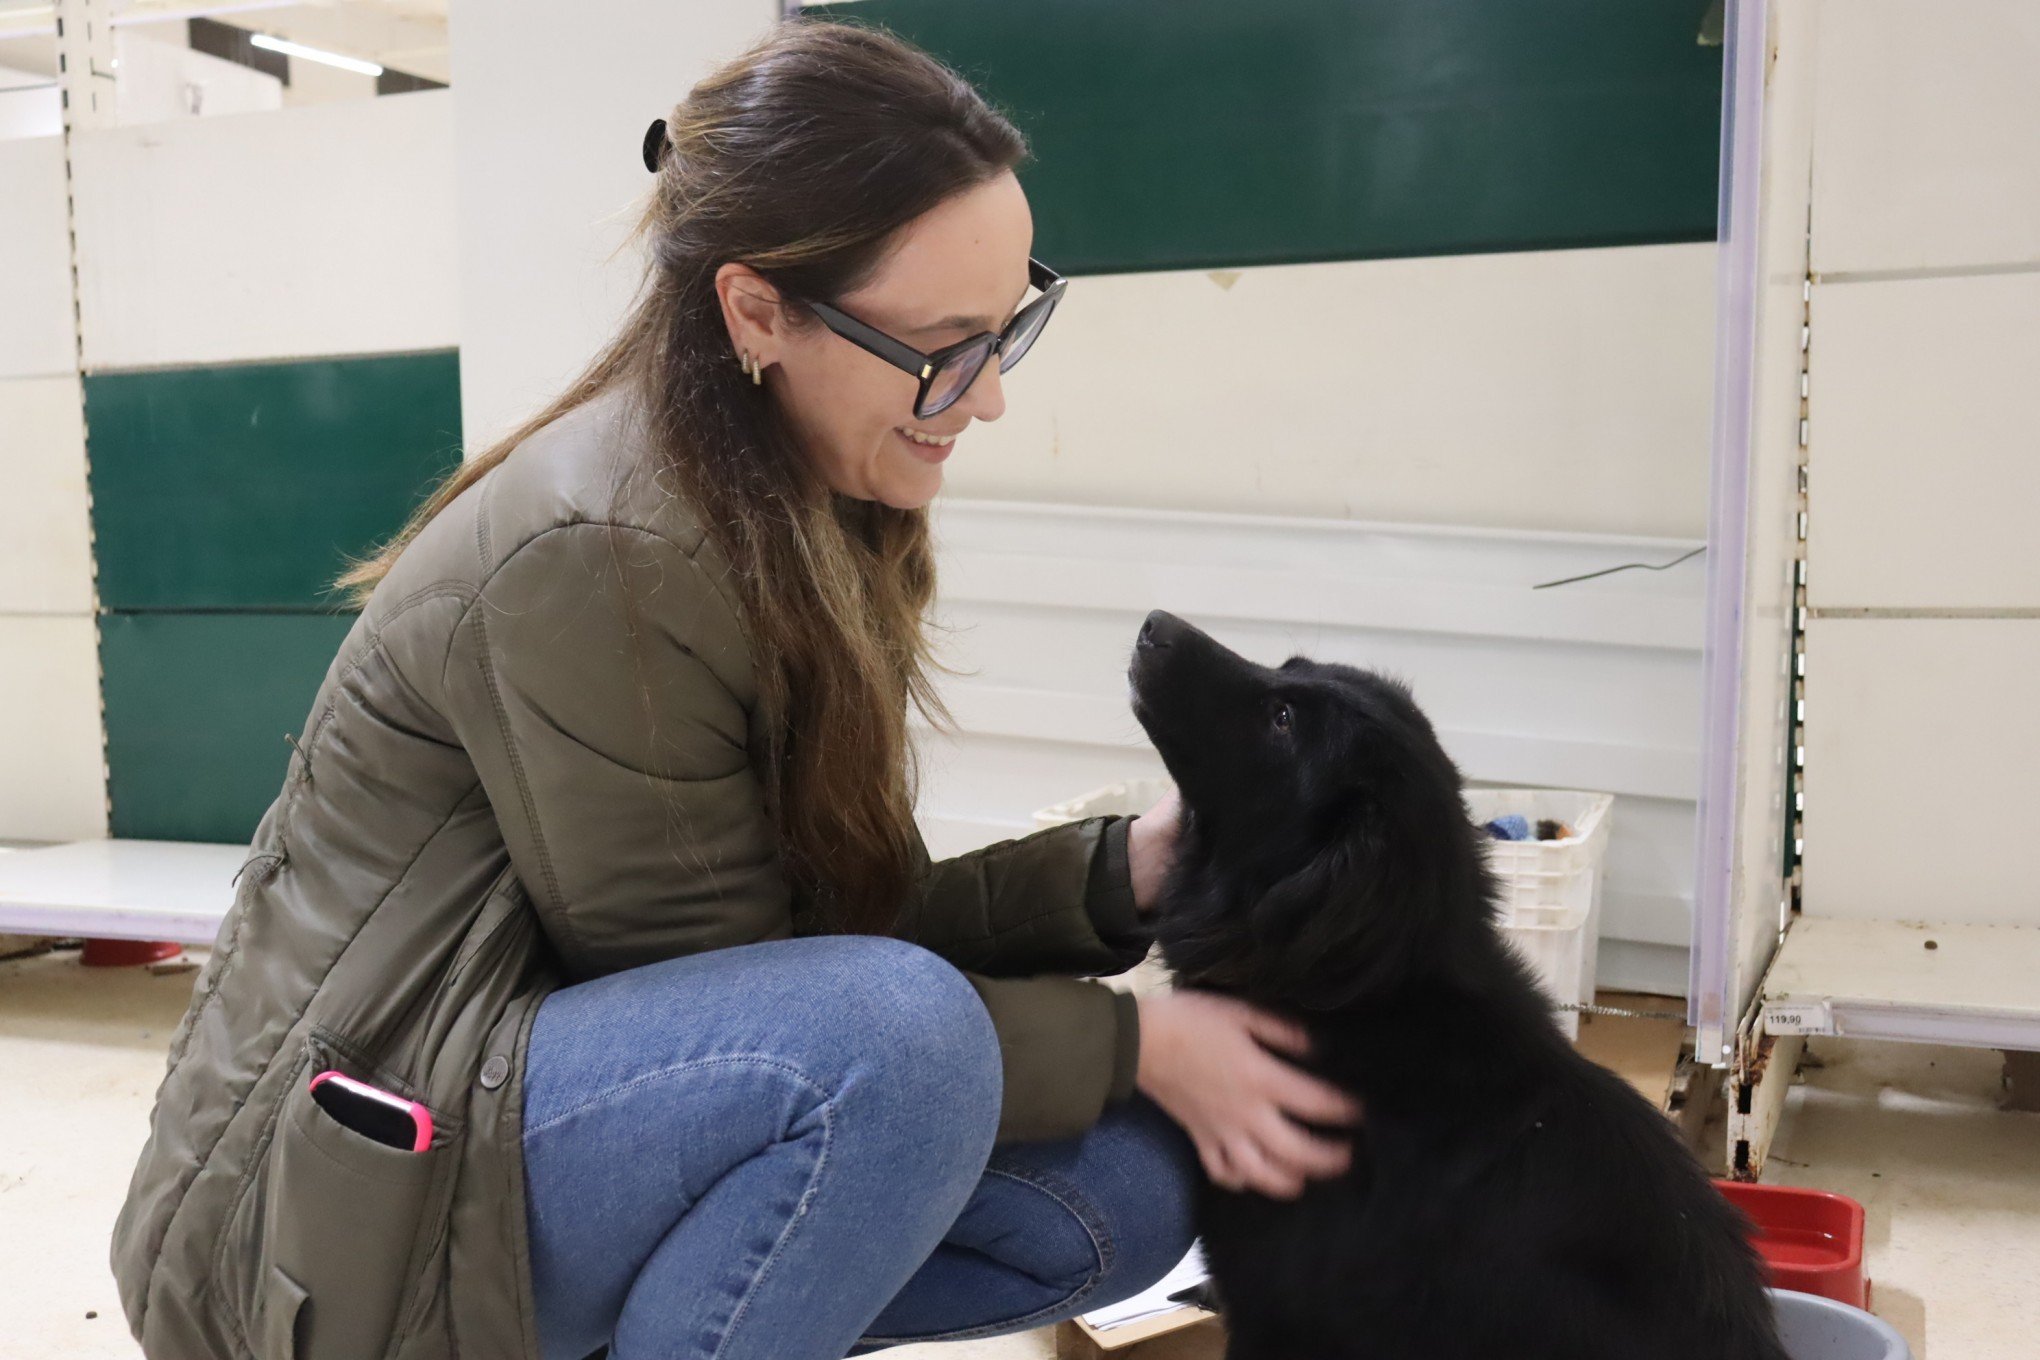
{"x":196,"y":709}
{"x":1174,"y":134}
{"x":241,"y":486}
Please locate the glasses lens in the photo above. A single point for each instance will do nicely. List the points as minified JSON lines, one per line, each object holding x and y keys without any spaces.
{"x":954,"y":378}
{"x":1025,"y":327}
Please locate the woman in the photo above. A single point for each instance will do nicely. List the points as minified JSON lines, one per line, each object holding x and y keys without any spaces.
{"x":599,"y":846}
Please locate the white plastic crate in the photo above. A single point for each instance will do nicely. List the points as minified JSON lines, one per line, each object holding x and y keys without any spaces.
{"x":1550,"y":904}
{"x":1124,"y":799}
{"x":1550,"y":900}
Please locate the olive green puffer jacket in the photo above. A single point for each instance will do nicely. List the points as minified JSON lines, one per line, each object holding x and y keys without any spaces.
{"x":486,"y":807}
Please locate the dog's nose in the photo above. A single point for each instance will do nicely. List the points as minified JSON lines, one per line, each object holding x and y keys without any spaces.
{"x":1154,"y":630}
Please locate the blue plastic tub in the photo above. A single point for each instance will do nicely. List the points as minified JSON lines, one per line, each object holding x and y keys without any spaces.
{"x":1816,"y":1328}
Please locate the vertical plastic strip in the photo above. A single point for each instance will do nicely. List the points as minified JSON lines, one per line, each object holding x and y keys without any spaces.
{"x":1710,"y":1007}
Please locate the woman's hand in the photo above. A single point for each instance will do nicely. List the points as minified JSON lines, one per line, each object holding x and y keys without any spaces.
{"x":1151,"y":848}
{"x":1202,"y":1060}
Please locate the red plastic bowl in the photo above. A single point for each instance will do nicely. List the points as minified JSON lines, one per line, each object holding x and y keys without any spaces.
{"x":1812,"y":1240}
{"x":127,"y":953}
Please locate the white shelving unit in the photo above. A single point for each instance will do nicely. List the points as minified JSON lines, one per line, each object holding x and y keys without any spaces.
{"x":1908,"y":980}
{"x":1874,"y":601}
{"x":120,"y":889}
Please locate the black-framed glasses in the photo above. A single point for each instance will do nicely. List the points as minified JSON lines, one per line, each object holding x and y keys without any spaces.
{"x":947,"y":373}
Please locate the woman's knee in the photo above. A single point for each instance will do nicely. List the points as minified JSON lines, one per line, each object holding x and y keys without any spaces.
{"x":1152,"y":1204}
{"x":921,"y":1031}
{"x":1131,"y":1182}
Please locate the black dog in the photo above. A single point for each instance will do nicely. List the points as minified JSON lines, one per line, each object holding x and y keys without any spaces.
{"x":1507,"y":1198}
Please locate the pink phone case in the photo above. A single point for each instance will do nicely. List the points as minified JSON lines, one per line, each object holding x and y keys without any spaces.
{"x":421,"y":1118}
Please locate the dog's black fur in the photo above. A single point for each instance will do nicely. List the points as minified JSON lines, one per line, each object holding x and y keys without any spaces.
{"x":1507,"y":1198}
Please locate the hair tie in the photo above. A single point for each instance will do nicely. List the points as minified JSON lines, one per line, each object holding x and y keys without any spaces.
{"x":655,"y":143}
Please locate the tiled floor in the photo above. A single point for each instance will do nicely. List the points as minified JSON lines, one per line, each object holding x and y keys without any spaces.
{"x":1952,"y":1184}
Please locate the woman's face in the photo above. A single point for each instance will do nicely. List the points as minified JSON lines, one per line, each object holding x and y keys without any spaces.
{"x":959,"y":268}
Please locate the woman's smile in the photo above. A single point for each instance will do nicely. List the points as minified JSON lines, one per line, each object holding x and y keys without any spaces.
{"x":926,"y":452}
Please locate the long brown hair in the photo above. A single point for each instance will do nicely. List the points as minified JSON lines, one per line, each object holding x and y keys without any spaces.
{"x":800,"y":158}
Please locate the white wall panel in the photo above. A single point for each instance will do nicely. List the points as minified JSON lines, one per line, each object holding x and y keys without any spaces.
{"x":1594,"y":685}
{"x":1922,"y":737}
{"x":52,"y":766}
{"x":1924,"y":477}
{"x":45,"y":530}
{"x":1928,"y":118}
{"x":161,"y":79}
{"x":35,"y":260}
{"x":1561,"y":390}
{"x":1632,"y":966}
{"x":553,"y":110}
{"x":30,"y":104}
{"x":306,"y":231}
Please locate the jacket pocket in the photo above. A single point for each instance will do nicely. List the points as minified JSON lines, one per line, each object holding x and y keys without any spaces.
{"x":283,"y":1304}
{"x":347,"y":1226}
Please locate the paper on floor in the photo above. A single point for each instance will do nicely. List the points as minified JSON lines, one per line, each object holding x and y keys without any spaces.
{"x":1154,"y":1299}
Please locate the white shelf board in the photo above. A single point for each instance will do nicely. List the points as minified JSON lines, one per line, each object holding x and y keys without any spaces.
{"x":1978,"y":985}
{"x":120,"y":889}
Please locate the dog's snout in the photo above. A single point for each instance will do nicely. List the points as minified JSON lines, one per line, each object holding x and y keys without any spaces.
{"x":1156,"y":629}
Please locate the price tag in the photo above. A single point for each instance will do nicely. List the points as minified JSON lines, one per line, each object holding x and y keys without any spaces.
{"x":1798,"y":1017}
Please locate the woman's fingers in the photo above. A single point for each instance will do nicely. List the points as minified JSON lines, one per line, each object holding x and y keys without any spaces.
{"x":1273,"y":1160}
{"x":1277,"y":1031}
{"x":1223,"y":1074}
{"x":1218,"y":1166}
{"x":1262,"y":1172}
{"x":1302,"y":1093}
{"x":1313,"y":1098}
{"x":1297,"y":1150}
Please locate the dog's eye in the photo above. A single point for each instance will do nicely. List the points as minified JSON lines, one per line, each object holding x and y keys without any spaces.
{"x":1282,"y":716}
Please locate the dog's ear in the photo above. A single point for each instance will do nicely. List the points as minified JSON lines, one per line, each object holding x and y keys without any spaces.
{"x":1333,"y":931}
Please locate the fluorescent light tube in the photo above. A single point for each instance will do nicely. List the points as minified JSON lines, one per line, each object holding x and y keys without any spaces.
{"x":291,"y":49}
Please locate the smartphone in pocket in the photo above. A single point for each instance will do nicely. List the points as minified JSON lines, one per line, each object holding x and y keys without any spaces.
{"x":373,"y":1112}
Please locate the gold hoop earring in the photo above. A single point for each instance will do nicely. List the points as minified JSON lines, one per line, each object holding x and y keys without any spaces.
{"x":757,"y":371}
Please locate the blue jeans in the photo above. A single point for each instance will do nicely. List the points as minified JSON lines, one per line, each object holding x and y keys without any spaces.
{"x":783,"y":1151}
